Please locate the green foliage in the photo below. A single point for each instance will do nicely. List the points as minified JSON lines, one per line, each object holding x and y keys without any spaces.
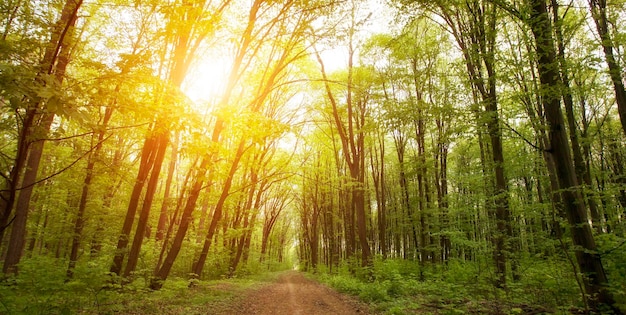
{"x":547,"y":285}
{"x":613,"y":250}
{"x":42,"y":288}
{"x":120,"y":63}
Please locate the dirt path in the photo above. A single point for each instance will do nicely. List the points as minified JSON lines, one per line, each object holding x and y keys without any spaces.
{"x":293,"y":294}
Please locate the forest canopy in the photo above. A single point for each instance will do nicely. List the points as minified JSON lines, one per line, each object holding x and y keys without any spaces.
{"x":473,"y":143}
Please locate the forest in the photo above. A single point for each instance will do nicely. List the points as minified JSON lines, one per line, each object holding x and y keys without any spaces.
{"x":463,"y":155}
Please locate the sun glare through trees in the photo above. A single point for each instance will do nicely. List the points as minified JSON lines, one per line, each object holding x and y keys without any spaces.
{"x":425,"y":156}
{"x":207,"y":78}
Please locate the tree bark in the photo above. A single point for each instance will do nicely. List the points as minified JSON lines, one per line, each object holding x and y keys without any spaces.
{"x":589,"y":260}
{"x":82,"y":205}
{"x":598,"y":12}
{"x":148,"y":155}
{"x":142,"y":223}
{"x":55,"y":62}
{"x":162,"y":223}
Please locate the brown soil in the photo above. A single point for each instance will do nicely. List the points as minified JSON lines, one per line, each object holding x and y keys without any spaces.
{"x":293,"y":294}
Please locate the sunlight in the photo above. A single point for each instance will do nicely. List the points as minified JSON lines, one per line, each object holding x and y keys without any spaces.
{"x":207,"y":78}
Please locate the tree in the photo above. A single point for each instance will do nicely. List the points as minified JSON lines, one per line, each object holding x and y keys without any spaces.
{"x":284,"y":51}
{"x":600,"y":16}
{"x":37,"y":122}
{"x":589,"y":261}
{"x":188,"y":29}
{"x":351,"y":133}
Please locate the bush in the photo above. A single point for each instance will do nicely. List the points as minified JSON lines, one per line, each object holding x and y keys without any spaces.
{"x":374,"y":293}
{"x":397,"y":286}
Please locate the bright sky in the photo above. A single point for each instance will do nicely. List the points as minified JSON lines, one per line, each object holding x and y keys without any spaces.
{"x":207,"y":78}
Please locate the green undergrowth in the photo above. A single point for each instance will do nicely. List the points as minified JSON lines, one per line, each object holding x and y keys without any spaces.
{"x":403,"y":287}
{"x":41,"y":288}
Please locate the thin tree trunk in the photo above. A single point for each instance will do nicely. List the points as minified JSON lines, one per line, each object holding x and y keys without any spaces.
{"x":161,"y":146}
{"x":245,"y":209}
{"x":148,"y":153}
{"x":598,"y":12}
{"x":198,"y":265}
{"x":377,"y":162}
{"x":96,"y":241}
{"x":441,"y":184}
{"x":82,"y":205}
{"x":478,"y":47}
{"x":163,"y":272}
{"x":162,"y":223}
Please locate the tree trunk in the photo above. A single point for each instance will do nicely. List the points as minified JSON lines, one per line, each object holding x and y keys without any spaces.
{"x":589,"y":260}
{"x":82,"y":205}
{"x":579,"y":164}
{"x":161,"y":146}
{"x":246,"y":210}
{"x":18,"y":230}
{"x":441,"y":184}
{"x":162,"y":223}
{"x":198,"y":265}
{"x":96,"y":239}
{"x":55,"y":62}
{"x":377,"y":157}
{"x":163,"y":272}
{"x":598,"y":12}
{"x":148,"y":153}
{"x":478,"y":47}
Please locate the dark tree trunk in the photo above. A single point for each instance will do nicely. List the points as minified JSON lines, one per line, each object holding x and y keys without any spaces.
{"x":579,"y":164}
{"x":441,"y":184}
{"x":133,"y":255}
{"x":478,"y":47}
{"x":163,"y":272}
{"x":148,"y":155}
{"x":598,"y":12}
{"x":18,"y":231}
{"x":198,"y":265}
{"x":245,"y":212}
{"x":162,"y":223}
{"x":82,"y":205}
{"x":55,"y":62}
{"x":589,"y":261}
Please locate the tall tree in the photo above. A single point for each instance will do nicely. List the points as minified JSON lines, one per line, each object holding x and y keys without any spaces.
{"x":582,"y":174}
{"x":588,"y":258}
{"x":351,"y":132}
{"x":601,"y":18}
{"x":473,"y":26}
{"x":37,"y":122}
{"x":188,"y":29}
{"x":283,"y":52}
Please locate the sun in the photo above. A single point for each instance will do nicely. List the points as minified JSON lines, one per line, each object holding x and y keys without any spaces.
{"x":207,"y":78}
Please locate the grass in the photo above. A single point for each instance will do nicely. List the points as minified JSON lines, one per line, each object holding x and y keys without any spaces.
{"x":41,"y":288}
{"x":401,"y":287}
{"x":212,"y":297}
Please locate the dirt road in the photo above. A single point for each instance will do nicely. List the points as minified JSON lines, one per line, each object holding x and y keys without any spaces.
{"x":293,"y":294}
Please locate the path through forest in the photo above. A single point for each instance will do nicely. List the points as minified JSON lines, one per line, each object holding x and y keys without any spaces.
{"x":293,"y":294}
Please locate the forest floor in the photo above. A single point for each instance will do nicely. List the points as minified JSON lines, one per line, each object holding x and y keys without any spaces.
{"x":294,"y":294}
{"x":276,"y":293}
{"x":285,"y":292}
